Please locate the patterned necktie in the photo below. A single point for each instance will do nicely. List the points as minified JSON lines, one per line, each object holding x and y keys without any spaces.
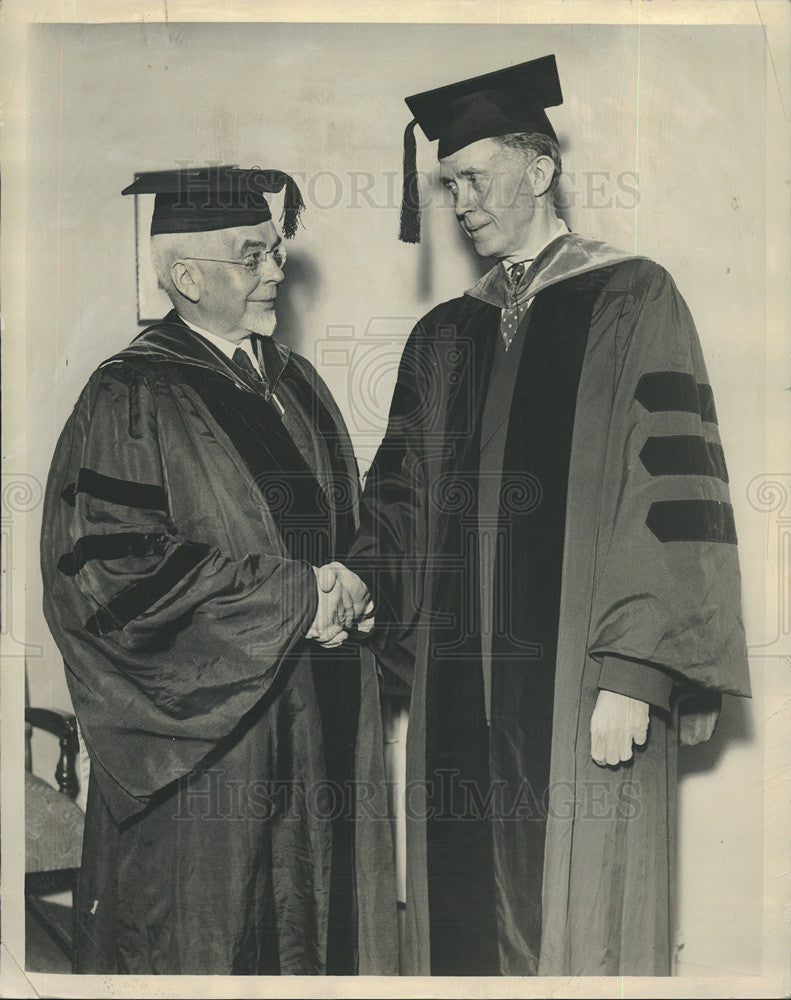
{"x":509,"y":322}
{"x":242,"y":359}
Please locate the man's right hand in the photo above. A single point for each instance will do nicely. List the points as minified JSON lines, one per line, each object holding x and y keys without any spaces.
{"x":617,"y":723}
{"x":344,"y":601}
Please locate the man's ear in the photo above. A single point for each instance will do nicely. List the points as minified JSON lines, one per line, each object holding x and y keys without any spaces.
{"x":541,"y":171}
{"x":186,"y":280}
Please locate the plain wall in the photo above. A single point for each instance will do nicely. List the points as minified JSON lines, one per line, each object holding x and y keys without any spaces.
{"x":663,"y":139}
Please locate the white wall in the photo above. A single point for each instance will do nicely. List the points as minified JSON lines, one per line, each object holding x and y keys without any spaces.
{"x":681,"y":107}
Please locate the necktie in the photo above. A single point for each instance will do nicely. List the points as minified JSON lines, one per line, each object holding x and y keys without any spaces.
{"x":509,"y":321}
{"x":242,"y":359}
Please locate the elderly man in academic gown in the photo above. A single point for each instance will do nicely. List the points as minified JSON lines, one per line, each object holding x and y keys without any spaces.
{"x":201,"y":483}
{"x":547,"y":533}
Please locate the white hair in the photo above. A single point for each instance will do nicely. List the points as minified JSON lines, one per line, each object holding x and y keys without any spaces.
{"x":167,"y":248}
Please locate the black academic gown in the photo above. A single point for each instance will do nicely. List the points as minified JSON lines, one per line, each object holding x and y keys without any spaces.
{"x":182,"y":517}
{"x":615,"y":559}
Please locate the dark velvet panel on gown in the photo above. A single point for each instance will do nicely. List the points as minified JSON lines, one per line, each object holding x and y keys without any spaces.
{"x":488,"y":785}
{"x":303,"y":519}
{"x":527,"y":602}
{"x":460,"y":874}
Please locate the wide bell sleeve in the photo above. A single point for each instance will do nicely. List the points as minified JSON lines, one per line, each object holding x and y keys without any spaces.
{"x":667,"y":592}
{"x":167,"y":638}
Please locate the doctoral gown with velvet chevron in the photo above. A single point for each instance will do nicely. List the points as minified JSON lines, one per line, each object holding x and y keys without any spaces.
{"x":615,"y":543}
{"x":182,"y":516}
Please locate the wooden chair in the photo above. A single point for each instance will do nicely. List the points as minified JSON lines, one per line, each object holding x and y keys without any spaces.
{"x":53,"y":828}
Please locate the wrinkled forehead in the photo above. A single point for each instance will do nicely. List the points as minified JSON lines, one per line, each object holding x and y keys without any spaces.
{"x":263,"y":236}
{"x":234,"y":241}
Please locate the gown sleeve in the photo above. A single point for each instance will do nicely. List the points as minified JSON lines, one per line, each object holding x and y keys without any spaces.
{"x":636,"y":680}
{"x":168,"y":639}
{"x":393,"y":513}
{"x":667,"y":593}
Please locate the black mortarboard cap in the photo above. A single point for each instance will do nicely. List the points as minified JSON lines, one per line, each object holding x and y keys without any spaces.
{"x":508,"y":100}
{"x":201,"y":199}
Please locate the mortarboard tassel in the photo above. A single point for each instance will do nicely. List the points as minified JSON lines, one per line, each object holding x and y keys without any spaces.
{"x":292,"y":207}
{"x":409,"y":231}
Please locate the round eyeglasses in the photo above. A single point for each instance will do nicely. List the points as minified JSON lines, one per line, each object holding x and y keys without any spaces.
{"x":255,"y":261}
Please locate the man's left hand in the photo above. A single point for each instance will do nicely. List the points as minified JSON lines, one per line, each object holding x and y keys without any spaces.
{"x":617,"y":723}
{"x":356,"y":598}
{"x":342,"y":590}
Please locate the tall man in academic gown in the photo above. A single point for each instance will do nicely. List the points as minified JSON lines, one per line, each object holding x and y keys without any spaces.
{"x":201,"y":483}
{"x":548,"y":537}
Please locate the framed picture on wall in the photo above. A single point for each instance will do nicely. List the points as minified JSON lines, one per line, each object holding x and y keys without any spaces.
{"x":152,"y":300}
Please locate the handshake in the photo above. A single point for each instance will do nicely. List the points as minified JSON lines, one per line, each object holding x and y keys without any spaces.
{"x":344,"y":602}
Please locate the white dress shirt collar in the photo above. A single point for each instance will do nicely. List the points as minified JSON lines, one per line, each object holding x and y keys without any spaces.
{"x":227,"y":347}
